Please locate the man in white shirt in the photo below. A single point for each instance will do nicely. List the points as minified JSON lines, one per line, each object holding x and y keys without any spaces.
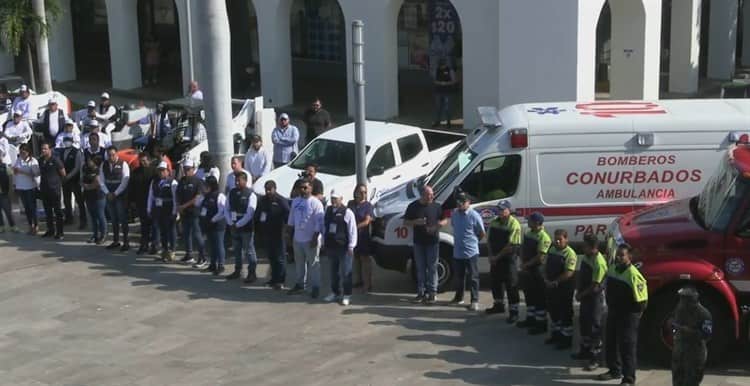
{"x":340,"y":239}
{"x":69,"y":131}
{"x":22,"y":103}
{"x":94,"y":127}
{"x":257,"y":160}
{"x":106,"y":112}
{"x":236,"y":167}
{"x":195,"y":91}
{"x":17,"y":131}
{"x":306,"y":218}
{"x":52,"y":121}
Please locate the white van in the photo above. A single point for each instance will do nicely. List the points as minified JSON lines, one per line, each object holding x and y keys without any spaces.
{"x":580,"y":164}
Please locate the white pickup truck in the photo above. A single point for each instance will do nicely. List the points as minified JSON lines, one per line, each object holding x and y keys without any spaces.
{"x":395,"y":154}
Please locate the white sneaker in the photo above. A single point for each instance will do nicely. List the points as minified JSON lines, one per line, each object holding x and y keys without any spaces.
{"x":330,"y":298}
{"x":345,"y":301}
{"x":474,"y":306}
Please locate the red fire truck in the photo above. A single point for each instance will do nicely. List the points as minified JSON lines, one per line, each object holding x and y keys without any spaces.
{"x":704,"y":241}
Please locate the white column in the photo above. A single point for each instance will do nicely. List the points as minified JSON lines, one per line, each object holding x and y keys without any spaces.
{"x":635,"y":49}
{"x":125,"y":52}
{"x":182,"y":21}
{"x":61,"y":51}
{"x":588,"y":19}
{"x":745,"y":33}
{"x":274,"y":45}
{"x":685,"y":46}
{"x":722,"y":39}
{"x":381,"y":56}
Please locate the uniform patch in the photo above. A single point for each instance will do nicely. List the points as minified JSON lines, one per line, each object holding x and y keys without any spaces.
{"x":734,"y":266}
{"x":640,"y":287}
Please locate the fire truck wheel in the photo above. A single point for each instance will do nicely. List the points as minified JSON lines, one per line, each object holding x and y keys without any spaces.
{"x":655,"y":335}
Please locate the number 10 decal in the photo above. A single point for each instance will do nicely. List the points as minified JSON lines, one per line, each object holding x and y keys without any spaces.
{"x":401,"y":232}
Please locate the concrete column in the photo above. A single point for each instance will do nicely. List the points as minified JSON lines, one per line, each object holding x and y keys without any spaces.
{"x":381,"y":55}
{"x":274,"y":45}
{"x":722,"y":39}
{"x":61,"y":51}
{"x":7,"y":64}
{"x":182,"y":19}
{"x":125,"y":51}
{"x":588,"y":19}
{"x":745,"y":33}
{"x":636,"y":43}
{"x":685,"y":46}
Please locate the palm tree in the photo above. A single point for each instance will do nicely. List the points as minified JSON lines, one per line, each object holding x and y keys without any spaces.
{"x":20,"y":27}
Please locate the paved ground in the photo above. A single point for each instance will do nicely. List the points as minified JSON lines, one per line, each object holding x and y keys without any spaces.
{"x":72,"y":314}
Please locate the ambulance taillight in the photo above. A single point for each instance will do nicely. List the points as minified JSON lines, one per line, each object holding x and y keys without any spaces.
{"x":519,"y":138}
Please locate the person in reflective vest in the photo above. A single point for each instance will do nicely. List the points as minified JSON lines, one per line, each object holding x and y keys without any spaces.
{"x":116,"y":174}
{"x":627,"y":297}
{"x":188,"y":190}
{"x":504,"y":241}
{"x":212,"y":204}
{"x":239,"y":217}
{"x":72,"y":159}
{"x":590,"y":277}
{"x":559,"y":274}
{"x":536,"y":243}
{"x":162,"y":209}
{"x":340,"y":240}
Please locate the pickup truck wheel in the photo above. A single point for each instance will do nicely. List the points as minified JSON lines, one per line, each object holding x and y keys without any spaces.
{"x":656,"y":327}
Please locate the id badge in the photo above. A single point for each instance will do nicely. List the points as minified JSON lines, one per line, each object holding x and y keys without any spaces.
{"x":262,"y":216}
{"x":204,"y":212}
{"x":159,"y":202}
{"x":332,"y":228}
{"x":234,"y":216}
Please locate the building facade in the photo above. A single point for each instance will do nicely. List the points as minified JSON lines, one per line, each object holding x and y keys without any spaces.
{"x":503,"y":51}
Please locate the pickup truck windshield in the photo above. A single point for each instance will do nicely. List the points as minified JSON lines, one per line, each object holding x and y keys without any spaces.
{"x":721,"y":197}
{"x":332,"y":157}
{"x":455,"y":162}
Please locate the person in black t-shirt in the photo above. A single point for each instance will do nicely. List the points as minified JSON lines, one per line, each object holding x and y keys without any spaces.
{"x":426,"y":217}
{"x":188,"y":190}
{"x":317,"y":120}
{"x":271,"y":216}
{"x":311,"y":170}
{"x":52,"y":171}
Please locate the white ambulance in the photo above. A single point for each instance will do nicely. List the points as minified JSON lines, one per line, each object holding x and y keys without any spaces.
{"x":579,"y":164}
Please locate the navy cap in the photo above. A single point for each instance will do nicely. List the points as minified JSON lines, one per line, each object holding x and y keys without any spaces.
{"x":536,"y":217}
{"x":504,"y":204}
{"x":461,"y":197}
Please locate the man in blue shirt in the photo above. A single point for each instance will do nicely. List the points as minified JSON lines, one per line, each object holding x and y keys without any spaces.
{"x":284,"y":138}
{"x":468,"y":229}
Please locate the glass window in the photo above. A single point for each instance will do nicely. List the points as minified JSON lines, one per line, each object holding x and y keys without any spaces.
{"x":382,"y":159}
{"x":453,"y":164}
{"x":493,"y":179}
{"x":409,"y":147}
{"x":332,"y":157}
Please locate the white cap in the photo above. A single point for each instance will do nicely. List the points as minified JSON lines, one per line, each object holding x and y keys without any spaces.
{"x":51,"y":101}
{"x":162,"y":165}
{"x":69,"y":121}
{"x":188,"y":163}
{"x":24,"y":88}
{"x":91,"y":104}
{"x":18,"y":112}
{"x":284,"y":116}
{"x":105,"y":95}
{"x":335,"y":194}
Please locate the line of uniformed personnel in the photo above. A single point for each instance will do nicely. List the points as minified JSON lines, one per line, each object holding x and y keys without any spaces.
{"x":544,"y":268}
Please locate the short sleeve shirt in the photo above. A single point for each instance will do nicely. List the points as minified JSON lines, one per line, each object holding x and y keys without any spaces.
{"x":433,"y":213}
{"x":467,"y":226}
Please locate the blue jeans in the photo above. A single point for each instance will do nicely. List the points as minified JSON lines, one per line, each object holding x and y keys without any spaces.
{"x":28,"y":199}
{"x":307,"y":258}
{"x":216,"y":249}
{"x":118,"y":215}
{"x":277,"y":259}
{"x":191,"y":229}
{"x":425,"y":259}
{"x":244,"y":242}
{"x":443,"y":107}
{"x":461,"y":267}
{"x":96,"y":213}
{"x":341,"y":270}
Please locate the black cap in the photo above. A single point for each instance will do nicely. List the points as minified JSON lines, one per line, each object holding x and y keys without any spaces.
{"x":461,"y":197}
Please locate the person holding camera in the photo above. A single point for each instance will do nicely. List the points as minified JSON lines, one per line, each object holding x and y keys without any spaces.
{"x":310,"y":173}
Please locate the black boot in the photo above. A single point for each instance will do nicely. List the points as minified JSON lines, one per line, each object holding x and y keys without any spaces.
{"x":497,"y":308}
{"x":251,"y":278}
{"x":234,"y":275}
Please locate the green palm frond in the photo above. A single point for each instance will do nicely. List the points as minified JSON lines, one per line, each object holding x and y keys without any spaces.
{"x":18,"y":23}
